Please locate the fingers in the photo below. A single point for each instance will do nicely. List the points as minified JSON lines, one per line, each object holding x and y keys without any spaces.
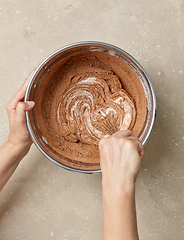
{"x":141,"y":151}
{"x":138,"y":145}
{"x":122,"y":138}
{"x":123,"y":133}
{"x":19,"y":95}
{"x":135,"y":143}
{"x":120,"y":157}
{"x":20,"y":114}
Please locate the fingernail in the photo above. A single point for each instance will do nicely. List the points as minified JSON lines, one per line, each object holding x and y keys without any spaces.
{"x":30,"y":104}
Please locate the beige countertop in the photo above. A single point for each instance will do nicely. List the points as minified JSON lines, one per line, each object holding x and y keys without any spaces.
{"x":44,"y":201}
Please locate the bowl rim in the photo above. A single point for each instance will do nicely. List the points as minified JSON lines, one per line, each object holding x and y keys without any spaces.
{"x":85,"y":43}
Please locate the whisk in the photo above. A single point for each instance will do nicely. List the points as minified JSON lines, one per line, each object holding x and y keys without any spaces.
{"x":107,"y":124}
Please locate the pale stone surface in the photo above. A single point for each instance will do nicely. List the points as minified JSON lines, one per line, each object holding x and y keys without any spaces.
{"x":43,"y":201}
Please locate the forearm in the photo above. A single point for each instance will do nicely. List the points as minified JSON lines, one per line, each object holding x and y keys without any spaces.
{"x":119,"y":215}
{"x":10,"y":156}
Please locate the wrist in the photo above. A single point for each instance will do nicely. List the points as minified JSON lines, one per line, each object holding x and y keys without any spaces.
{"x":10,"y":156}
{"x":19,"y":143}
{"x":118,"y":190}
{"x":19,"y":148}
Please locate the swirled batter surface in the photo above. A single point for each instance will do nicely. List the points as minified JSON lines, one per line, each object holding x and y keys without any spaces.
{"x":84,"y":98}
{"x":89,"y":109}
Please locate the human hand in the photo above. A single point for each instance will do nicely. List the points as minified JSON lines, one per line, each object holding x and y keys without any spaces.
{"x":19,"y":141}
{"x":16,"y":109}
{"x":120,"y":159}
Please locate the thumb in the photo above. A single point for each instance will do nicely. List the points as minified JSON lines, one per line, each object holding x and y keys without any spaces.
{"x":140,"y":149}
{"x":30,"y":105}
{"x":22,"y":107}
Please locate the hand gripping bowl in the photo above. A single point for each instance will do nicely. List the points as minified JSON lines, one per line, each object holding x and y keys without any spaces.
{"x":51,"y":81}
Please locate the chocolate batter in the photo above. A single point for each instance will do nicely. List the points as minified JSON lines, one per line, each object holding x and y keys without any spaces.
{"x":90,"y":109}
{"x":79,"y":95}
